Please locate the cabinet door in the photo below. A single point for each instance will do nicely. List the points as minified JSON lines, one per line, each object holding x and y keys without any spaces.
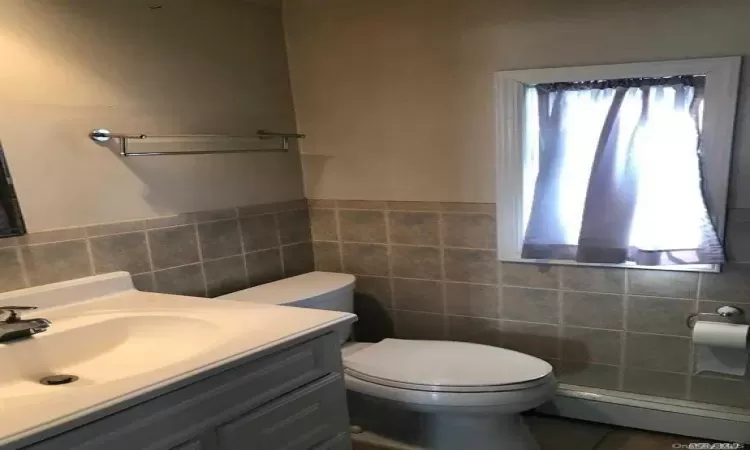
{"x":299,"y":421}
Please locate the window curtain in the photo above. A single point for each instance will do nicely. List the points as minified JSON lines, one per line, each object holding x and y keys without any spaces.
{"x":616,"y":173}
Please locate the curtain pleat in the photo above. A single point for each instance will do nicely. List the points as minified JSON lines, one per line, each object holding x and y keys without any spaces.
{"x":619,"y":175}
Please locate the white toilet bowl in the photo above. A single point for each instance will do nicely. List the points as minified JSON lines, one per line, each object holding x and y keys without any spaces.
{"x":471,"y":399}
{"x":439,"y":395}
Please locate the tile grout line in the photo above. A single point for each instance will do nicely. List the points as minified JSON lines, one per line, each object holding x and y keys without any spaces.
{"x":389,"y":254}
{"x":443,"y":290}
{"x":624,"y":335}
{"x":561,"y":313}
{"x":24,"y":272}
{"x":200,"y":259}
{"x":691,"y":354}
{"x":242,"y":250}
{"x":280,"y":247}
{"x":90,"y":253}
{"x":339,"y":239}
{"x":150,"y":258}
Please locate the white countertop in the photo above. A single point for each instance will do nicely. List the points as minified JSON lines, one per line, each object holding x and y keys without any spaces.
{"x":232,"y":331}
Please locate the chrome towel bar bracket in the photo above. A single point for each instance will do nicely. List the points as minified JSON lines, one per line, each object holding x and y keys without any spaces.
{"x":103,"y":135}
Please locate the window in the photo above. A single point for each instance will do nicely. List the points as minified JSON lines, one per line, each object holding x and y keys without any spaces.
{"x":623,"y":164}
{"x":11,"y":221}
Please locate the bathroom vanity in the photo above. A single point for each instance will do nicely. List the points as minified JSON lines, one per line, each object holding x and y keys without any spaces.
{"x":165,"y":372}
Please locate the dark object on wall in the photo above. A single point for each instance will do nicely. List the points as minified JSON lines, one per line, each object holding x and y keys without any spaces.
{"x":11,"y":221}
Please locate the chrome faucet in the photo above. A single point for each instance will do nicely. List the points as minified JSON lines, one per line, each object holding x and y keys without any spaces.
{"x":13,"y":327}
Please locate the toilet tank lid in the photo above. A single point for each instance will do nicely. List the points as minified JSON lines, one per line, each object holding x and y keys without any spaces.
{"x":294,"y":289}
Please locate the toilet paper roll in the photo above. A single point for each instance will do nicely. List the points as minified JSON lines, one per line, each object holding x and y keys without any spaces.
{"x":721,"y":347}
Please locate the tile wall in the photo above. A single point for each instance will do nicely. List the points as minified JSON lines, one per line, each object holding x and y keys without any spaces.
{"x":204,"y":254}
{"x":428,"y":271}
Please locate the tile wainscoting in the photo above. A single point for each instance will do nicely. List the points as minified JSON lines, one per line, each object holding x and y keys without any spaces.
{"x":428,"y":271}
{"x":204,"y":254}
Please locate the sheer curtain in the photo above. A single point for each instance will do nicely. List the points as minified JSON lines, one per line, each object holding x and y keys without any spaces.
{"x":612,"y":173}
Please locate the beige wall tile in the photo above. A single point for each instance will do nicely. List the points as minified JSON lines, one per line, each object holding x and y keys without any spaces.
{"x":459,"y":207}
{"x":660,"y":384}
{"x":373,"y":290}
{"x":414,"y":206}
{"x":583,"y":373}
{"x":731,"y":285}
{"x":362,"y":226}
{"x":419,"y":325}
{"x":654,"y":352}
{"x":323,"y":225}
{"x":418,"y":295}
{"x":475,"y":330}
{"x":365,"y":259}
{"x":662,"y":283}
{"x":185,"y":280}
{"x":115,"y":228}
{"x":224,"y":276}
{"x":585,"y":309}
{"x":720,"y":391}
{"x":534,"y":339}
{"x":61,"y":261}
{"x":327,"y":256}
{"x":11,"y":277}
{"x":471,"y":266}
{"x":416,"y":262}
{"x":128,"y":252}
{"x":215,"y":214}
{"x":591,"y":345}
{"x":477,"y":300}
{"x":469,"y":230}
{"x":593,"y":279}
{"x":298,"y":259}
{"x":44,"y":237}
{"x":531,"y":305}
{"x":530,"y":275}
{"x":264,"y":266}
{"x":414,"y":228}
{"x":171,"y":247}
{"x":294,"y":226}
{"x":361,"y":204}
{"x":219,"y":239}
{"x":259,"y":232}
{"x":144,"y":282}
{"x":659,"y":315}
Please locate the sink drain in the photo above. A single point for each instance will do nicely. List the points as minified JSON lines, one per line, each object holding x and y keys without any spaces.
{"x":56,"y":380}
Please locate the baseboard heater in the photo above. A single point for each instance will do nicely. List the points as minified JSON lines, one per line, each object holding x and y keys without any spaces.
{"x":686,"y":418}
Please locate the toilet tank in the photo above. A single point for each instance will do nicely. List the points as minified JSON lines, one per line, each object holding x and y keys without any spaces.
{"x":316,"y":290}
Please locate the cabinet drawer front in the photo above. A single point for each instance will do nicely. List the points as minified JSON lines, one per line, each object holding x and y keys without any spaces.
{"x":299,"y":421}
{"x":179,"y":416}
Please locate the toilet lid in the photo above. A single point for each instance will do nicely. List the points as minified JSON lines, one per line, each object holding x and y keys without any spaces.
{"x":442,"y":365}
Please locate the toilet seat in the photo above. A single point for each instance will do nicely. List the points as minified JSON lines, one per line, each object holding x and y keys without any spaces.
{"x":445,"y":366}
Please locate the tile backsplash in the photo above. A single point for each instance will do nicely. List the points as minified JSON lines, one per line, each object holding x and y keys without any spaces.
{"x":205,"y":254}
{"x":427,"y":270}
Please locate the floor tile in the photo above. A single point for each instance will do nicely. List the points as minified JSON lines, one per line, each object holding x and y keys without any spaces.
{"x":628,"y":439}
{"x":563,"y":434}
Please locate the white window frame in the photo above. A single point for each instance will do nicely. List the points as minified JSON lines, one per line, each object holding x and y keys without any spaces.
{"x":722,"y":84}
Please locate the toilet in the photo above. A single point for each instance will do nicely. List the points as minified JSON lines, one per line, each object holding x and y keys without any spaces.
{"x":432,"y":394}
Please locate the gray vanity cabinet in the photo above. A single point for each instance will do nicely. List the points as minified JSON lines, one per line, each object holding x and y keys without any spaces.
{"x":292,"y":398}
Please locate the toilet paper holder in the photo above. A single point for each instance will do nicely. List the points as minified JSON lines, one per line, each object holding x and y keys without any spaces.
{"x":728,"y":314}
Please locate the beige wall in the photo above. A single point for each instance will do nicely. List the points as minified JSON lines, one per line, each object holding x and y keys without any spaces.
{"x":193,"y":66}
{"x":397,"y":95}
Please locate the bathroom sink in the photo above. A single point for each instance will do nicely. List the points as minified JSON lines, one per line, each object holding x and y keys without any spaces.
{"x":102,"y":348}
{"x":126,"y":346}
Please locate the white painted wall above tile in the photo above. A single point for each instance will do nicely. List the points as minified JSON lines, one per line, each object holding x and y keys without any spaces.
{"x":397,"y":95}
{"x":189,"y":66}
